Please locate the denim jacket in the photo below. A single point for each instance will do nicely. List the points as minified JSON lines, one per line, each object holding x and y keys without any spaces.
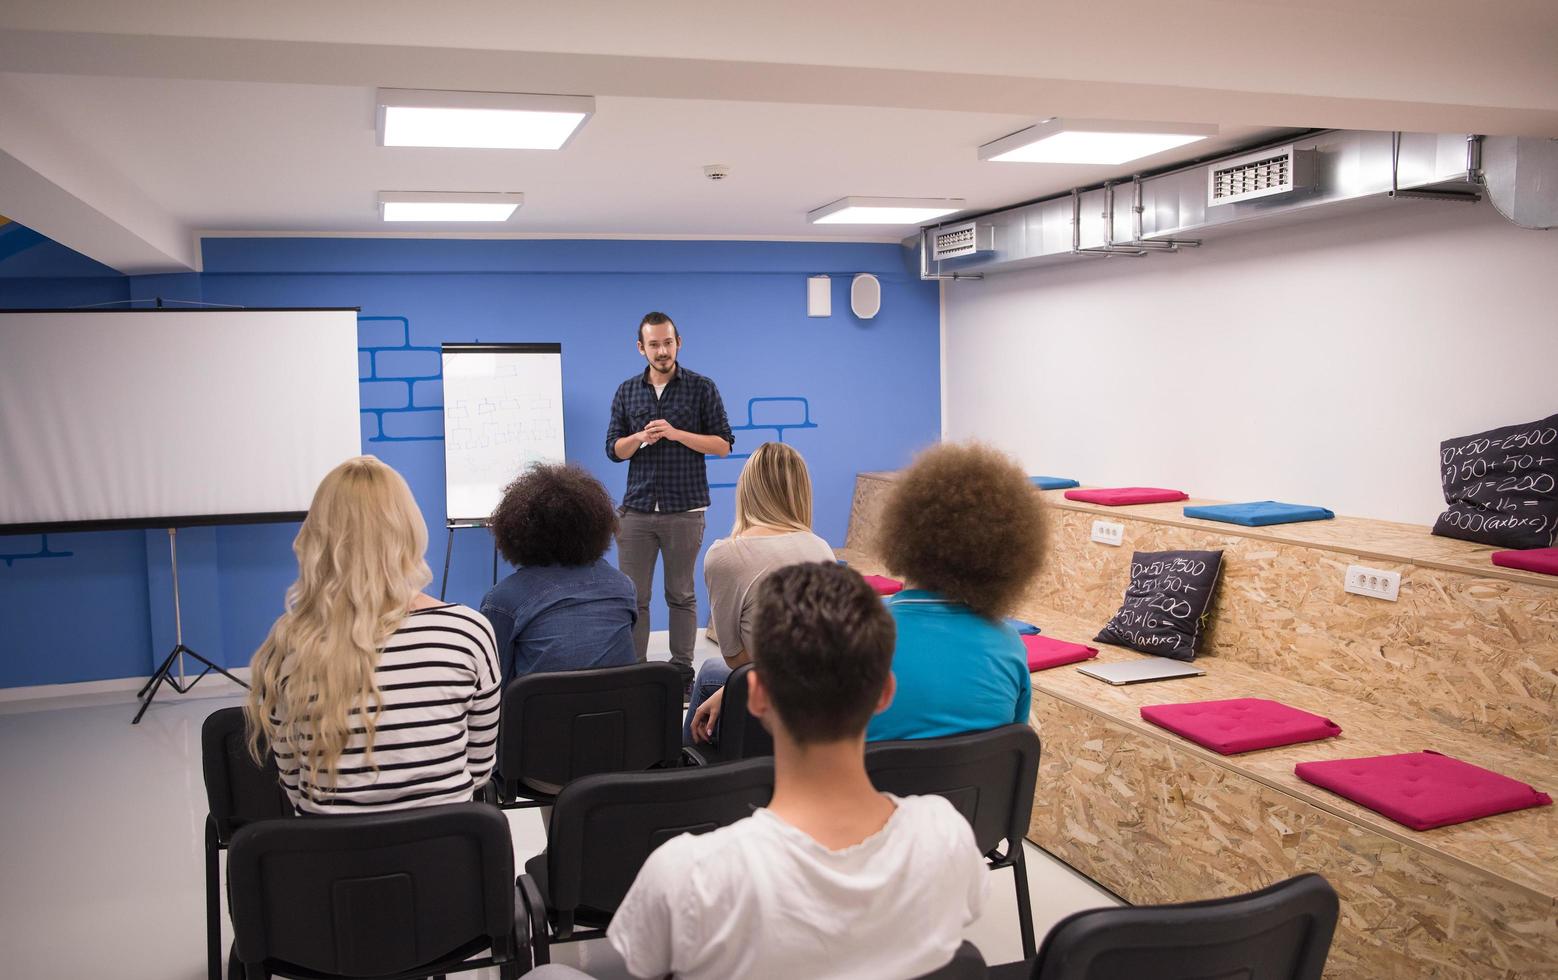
{"x":557,"y":617}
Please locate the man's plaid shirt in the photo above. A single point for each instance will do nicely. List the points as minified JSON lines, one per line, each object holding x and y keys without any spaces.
{"x":667,"y":475}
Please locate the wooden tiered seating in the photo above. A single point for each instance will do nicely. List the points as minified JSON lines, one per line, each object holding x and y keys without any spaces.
{"x":1465,"y":663}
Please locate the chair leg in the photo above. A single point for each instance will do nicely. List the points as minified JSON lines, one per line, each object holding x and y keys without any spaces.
{"x":213,"y":904}
{"x":1024,"y":901}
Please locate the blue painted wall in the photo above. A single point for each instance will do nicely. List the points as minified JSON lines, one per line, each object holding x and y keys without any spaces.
{"x":851,"y":395}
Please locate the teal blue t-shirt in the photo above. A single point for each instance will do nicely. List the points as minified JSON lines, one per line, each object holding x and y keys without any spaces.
{"x":956,"y":670}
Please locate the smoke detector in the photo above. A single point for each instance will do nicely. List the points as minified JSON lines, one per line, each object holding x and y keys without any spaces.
{"x":716,"y":171}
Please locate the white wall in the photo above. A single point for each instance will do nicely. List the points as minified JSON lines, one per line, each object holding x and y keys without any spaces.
{"x":1319,"y":364}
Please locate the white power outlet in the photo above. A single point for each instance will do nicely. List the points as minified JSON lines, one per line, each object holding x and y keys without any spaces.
{"x":1372,"y":582}
{"x":1108,"y":532}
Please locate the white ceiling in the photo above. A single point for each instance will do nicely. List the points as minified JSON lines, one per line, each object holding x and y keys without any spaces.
{"x":127,"y":130}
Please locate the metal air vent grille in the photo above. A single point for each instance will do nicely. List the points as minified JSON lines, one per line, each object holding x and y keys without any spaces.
{"x":1259,"y":175}
{"x":955,"y":241}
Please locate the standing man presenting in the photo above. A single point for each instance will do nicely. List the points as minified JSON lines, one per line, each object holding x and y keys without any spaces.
{"x":663,"y":422}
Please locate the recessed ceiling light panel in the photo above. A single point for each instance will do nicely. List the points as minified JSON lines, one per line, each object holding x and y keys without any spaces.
{"x":486,"y":120}
{"x":447,"y":207}
{"x":884,"y":210}
{"x":1106,"y":141}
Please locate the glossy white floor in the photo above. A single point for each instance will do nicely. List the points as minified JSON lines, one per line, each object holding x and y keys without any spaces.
{"x":100,"y":846}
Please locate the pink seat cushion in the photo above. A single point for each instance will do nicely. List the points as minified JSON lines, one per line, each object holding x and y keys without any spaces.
{"x":1045,"y":652}
{"x":1422,"y":790}
{"x":1544,"y":560}
{"x":1240,"y":725}
{"x":883,"y":585}
{"x":1120,"y":496}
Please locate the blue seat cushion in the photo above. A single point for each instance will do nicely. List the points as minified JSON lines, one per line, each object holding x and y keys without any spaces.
{"x":1052,"y":482}
{"x":1259,"y":513}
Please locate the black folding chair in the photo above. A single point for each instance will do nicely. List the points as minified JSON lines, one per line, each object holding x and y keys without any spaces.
{"x":604,"y":827}
{"x":741,"y":735}
{"x":966,"y":964}
{"x":238,"y":792}
{"x":392,"y":896}
{"x":989,"y":777}
{"x":1278,"y":933}
{"x":555,"y":727}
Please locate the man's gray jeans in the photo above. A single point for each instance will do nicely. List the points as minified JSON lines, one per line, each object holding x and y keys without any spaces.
{"x":642,"y":538}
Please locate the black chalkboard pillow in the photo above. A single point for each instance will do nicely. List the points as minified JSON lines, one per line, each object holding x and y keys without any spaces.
{"x":1502,"y":486}
{"x":1166,"y":603}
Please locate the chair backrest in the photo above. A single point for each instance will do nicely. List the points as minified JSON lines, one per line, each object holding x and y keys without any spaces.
{"x":374,"y":895}
{"x":1278,"y":933}
{"x":604,"y":827}
{"x":555,"y":727}
{"x":741,"y":735}
{"x":237,"y":790}
{"x":988,"y":776}
{"x":966,"y":964}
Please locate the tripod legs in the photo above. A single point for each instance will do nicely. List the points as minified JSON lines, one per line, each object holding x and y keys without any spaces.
{"x":448,"y":553}
{"x":164,"y":676}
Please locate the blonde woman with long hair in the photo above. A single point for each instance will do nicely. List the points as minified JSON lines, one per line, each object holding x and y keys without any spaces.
{"x":772,"y":529}
{"x":372,"y":695}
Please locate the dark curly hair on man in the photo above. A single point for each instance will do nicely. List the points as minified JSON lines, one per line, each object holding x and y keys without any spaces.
{"x":554,"y":515}
{"x":963,"y":520}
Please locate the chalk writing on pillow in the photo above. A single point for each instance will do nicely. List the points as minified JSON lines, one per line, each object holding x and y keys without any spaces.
{"x":1165,"y":607}
{"x":1501,"y":486}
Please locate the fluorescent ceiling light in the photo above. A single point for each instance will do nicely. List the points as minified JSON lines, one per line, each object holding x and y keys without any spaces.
{"x":432,"y":206}
{"x":495,"y":120}
{"x":884,"y":210}
{"x":1092,"y":141}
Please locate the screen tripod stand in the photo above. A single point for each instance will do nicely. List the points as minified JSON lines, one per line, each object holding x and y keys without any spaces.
{"x":164,"y":674}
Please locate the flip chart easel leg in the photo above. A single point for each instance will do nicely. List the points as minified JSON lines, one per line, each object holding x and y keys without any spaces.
{"x":448,"y":551}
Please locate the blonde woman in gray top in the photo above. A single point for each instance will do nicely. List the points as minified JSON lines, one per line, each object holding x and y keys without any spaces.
{"x":772,"y":530}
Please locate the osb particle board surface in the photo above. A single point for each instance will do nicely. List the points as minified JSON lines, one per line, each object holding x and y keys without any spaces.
{"x":1357,"y":536}
{"x":1474,"y":651}
{"x":1521,"y":848}
{"x":1156,"y":824}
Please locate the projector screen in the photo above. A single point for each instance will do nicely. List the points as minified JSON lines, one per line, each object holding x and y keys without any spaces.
{"x":169,"y":418}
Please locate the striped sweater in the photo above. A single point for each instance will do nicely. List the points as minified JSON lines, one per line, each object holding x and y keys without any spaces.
{"x":437,"y":734}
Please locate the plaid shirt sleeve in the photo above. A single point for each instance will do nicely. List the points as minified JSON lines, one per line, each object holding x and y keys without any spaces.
{"x":618,"y":426}
{"x":712,"y":415}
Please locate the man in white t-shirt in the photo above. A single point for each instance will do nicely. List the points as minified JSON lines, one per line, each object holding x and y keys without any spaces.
{"x":833,"y":879}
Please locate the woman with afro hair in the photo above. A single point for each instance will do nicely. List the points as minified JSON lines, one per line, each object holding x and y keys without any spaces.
{"x":965,"y":530}
{"x":564,"y":607}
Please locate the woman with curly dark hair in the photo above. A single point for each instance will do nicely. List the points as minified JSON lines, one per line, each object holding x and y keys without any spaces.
{"x":564,"y":607}
{"x":965,"y":530}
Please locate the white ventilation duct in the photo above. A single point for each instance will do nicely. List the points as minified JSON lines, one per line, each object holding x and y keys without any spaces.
{"x":1314,"y":176}
{"x":1521,"y":176}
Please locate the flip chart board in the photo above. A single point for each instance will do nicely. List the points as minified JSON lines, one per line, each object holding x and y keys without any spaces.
{"x":503,"y":411}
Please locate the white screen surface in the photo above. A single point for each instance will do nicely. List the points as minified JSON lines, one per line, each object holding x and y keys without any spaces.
{"x":503,"y":410}
{"x":170,"y":414}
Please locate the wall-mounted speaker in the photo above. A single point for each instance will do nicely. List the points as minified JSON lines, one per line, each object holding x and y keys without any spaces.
{"x":865,"y":296}
{"x":819,"y":296}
